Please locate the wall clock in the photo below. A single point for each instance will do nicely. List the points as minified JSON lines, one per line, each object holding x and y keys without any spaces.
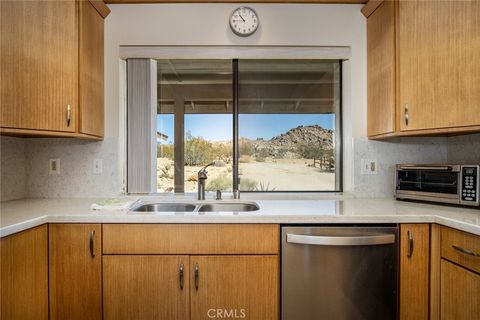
{"x":244,"y":21}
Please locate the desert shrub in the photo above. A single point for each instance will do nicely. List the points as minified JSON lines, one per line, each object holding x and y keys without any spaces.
{"x":222,"y":151}
{"x":165,"y":172}
{"x":264,"y":186}
{"x":245,"y":147}
{"x":309,"y":151}
{"x":245,"y":159}
{"x":198,"y":151}
{"x":222,"y":182}
{"x":165,"y":151}
{"x":193,"y":177}
{"x":261,"y":155}
{"x":247,"y":184}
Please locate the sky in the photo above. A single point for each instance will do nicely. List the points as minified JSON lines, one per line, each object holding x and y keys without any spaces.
{"x":218,"y":127}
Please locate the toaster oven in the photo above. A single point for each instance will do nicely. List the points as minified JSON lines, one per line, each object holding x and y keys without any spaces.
{"x":454,"y":184}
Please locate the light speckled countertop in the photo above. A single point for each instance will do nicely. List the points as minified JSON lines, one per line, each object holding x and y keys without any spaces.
{"x":19,"y":215}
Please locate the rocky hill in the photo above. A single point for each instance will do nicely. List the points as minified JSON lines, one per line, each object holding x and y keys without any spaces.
{"x":286,"y":144}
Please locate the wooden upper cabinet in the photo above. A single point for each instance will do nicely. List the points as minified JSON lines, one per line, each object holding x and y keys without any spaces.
{"x":381,"y":69}
{"x":39,"y":48}
{"x":423,"y":67}
{"x":75,"y":252}
{"x":91,"y":84}
{"x":24,"y":275}
{"x":439,"y":64}
{"x":52,"y":68}
{"x":414,"y":271}
{"x":234,"y":287}
{"x":146,"y":287}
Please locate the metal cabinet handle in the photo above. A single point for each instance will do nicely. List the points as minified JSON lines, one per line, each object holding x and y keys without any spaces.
{"x":341,"y":241}
{"x":180,"y":275}
{"x":197,"y":270}
{"x":466,"y":251}
{"x":410,"y":243}
{"x":92,"y":235}
{"x":69,"y":115}
{"x":405,"y":114}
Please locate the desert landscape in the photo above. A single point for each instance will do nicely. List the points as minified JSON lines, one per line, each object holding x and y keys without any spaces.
{"x":304,"y":156}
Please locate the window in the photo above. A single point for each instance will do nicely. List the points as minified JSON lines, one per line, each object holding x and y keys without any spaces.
{"x":267,"y":125}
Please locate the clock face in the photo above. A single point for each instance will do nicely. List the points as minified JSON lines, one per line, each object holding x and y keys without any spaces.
{"x":244,"y":21}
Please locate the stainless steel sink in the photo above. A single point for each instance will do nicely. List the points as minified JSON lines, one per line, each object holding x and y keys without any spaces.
{"x":219,"y":206}
{"x":166,"y":207}
{"x":228,"y":206}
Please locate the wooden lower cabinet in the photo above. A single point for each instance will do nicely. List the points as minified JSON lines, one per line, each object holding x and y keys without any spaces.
{"x":75,"y":271}
{"x":414,"y":271}
{"x":146,"y":287}
{"x":24,"y":275}
{"x":460,"y":293}
{"x":244,"y":287}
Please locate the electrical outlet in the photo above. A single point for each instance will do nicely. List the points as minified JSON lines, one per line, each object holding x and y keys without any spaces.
{"x":54,"y":166}
{"x":97,"y":166}
{"x":369,"y":166}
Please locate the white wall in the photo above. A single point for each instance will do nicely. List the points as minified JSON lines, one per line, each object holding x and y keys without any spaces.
{"x":207,"y":24}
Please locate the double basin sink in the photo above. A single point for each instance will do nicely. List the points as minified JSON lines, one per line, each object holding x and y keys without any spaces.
{"x":218,"y":206}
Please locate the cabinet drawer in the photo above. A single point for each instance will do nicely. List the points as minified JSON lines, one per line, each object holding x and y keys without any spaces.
{"x":461,"y":247}
{"x":191,"y":239}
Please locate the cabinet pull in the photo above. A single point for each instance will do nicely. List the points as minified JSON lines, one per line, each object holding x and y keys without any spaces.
{"x":92,"y":235}
{"x":466,"y":251}
{"x":410,"y":243}
{"x":69,"y":115}
{"x":405,"y":114}
{"x":180,"y":276}
{"x":197,"y":270}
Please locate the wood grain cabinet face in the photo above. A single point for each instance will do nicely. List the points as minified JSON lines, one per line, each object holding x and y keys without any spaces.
{"x":381,"y":69}
{"x":146,"y":287}
{"x":91,"y":84}
{"x":439,"y":64}
{"x":414,"y":271}
{"x":24,"y":275}
{"x":244,"y":287}
{"x":75,"y":258}
{"x":38,"y":71}
{"x":423,"y":67}
{"x":52,"y":72}
{"x":460,"y":293}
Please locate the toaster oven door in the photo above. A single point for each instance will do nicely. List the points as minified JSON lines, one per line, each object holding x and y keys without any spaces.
{"x":428,"y":184}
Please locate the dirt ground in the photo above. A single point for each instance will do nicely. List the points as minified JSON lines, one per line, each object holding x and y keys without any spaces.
{"x":278,"y":175}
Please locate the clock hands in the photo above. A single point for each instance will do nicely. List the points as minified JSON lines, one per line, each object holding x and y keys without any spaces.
{"x":241,"y":17}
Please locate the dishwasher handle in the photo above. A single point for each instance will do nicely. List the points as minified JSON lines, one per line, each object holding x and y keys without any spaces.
{"x":341,"y":241}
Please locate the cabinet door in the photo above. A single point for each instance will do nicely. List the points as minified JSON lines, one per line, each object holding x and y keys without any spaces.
{"x":414,"y":271}
{"x":38,"y":68}
{"x":460,"y":293}
{"x":243,"y":287}
{"x":91,"y":88}
{"x":24,"y":280}
{"x":381,"y":69}
{"x":439,"y":64}
{"x":75,"y":271}
{"x":145,"y":287}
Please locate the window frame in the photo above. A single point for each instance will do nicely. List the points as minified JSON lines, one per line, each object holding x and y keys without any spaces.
{"x":180,"y":136}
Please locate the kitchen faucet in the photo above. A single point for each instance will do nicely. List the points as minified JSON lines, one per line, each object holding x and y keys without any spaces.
{"x":202,"y":176}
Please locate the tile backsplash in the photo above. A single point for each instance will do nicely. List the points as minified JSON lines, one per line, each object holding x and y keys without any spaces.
{"x":12,"y":168}
{"x":464,"y":149}
{"x":25,"y":164}
{"x":387,"y":154}
{"x":76,"y":178}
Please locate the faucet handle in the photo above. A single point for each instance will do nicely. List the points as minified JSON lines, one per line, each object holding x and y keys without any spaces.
{"x":219,"y":195}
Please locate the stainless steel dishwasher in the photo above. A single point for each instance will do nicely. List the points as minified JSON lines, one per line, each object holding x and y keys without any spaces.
{"x":339,"y":273}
